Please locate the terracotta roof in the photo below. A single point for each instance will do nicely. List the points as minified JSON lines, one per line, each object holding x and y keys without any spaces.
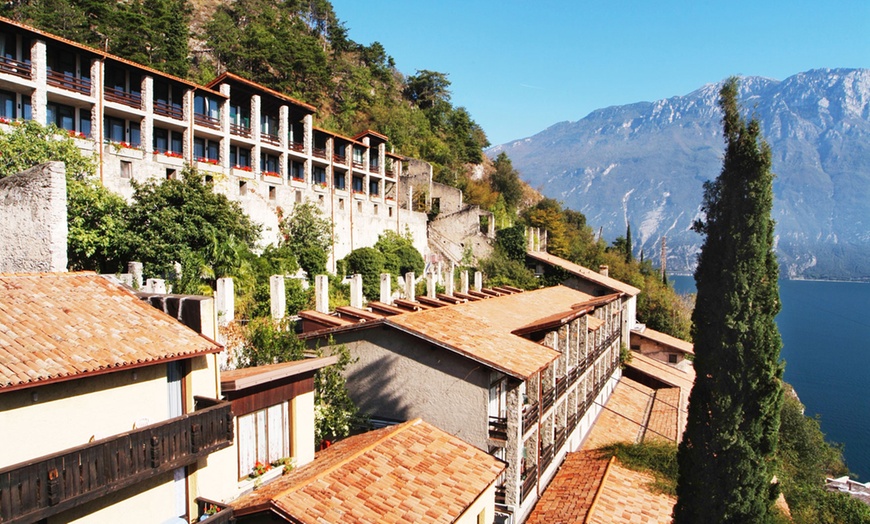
{"x":62,"y":326}
{"x":665,"y":339}
{"x":370,"y":133}
{"x":584,"y":273}
{"x":572,"y":491}
{"x":557,"y":320}
{"x":224,"y":77}
{"x":625,"y":498}
{"x":412,"y":472}
{"x":623,"y":418}
{"x":481,"y":330}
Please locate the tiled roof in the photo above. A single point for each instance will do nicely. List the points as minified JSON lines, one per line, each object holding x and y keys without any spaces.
{"x":583,"y":272}
{"x":227,"y":76}
{"x":623,"y":418}
{"x":481,"y":330}
{"x":665,"y":339}
{"x":61,"y":326}
{"x":572,"y":491}
{"x":243,"y":378}
{"x":625,"y":499}
{"x":412,"y":472}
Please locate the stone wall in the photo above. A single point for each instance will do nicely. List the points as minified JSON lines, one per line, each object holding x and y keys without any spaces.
{"x":33,"y":213}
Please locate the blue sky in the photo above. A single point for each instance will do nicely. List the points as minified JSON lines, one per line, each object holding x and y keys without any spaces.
{"x":521,"y":66}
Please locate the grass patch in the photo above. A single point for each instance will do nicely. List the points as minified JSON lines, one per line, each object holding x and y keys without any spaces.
{"x":654,"y":457}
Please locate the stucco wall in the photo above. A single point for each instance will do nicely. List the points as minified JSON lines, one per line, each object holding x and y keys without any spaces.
{"x":485,"y":504}
{"x":33,"y":213}
{"x":400,"y":377}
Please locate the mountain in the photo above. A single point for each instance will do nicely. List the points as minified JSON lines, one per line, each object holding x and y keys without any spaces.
{"x":646,"y":163}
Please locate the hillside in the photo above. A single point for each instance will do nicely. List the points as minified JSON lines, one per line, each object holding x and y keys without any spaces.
{"x":646,"y":163}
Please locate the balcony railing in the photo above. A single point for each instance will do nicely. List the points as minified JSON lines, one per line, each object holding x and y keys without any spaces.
{"x":319,"y":152}
{"x":240,"y":130}
{"x":547,"y":456}
{"x":299,"y":147}
{"x":374,"y":167}
{"x":530,"y":416}
{"x":340,"y":159}
{"x":123,"y":97}
{"x":501,"y":494}
{"x":211,"y":512}
{"x":561,"y":386}
{"x":358,"y":164}
{"x":272,"y":139}
{"x":206,"y":121}
{"x":55,"y":483}
{"x":498,"y":428}
{"x":547,"y":399}
{"x":167,"y":109}
{"x":530,"y":480}
{"x":10,"y":66}
{"x":68,"y":82}
{"x":561,"y":435}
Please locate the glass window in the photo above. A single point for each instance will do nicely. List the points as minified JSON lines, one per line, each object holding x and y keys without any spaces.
{"x":115,"y":129}
{"x":161,"y":140}
{"x":264,"y":437}
{"x":340,"y":182}
{"x":213,"y":149}
{"x":358,"y":184}
{"x":358,"y":155}
{"x":26,"y":108}
{"x":240,"y":156}
{"x":7,"y":105}
{"x":297,"y":170}
{"x":61,"y":115}
{"x":268,"y":163}
{"x":85,"y":122}
{"x":374,"y":187}
{"x":269,"y":124}
{"x":135,"y":134}
{"x":319,"y":175}
{"x":175,"y":144}
{"x":199,"y":148}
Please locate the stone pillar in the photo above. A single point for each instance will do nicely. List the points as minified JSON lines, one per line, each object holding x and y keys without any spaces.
{"x":478,"y":280}
{"x":97,"y":70}
{"x":308,"y":134}
{"x":409,"y":286}
{"x":187,"y":110}
{"x":224,"y":151}
{"x":38,"y":72}
{"x":135,"y":270}
{"x":156,"y":285}
{"x":463,"y":282}
{"x":543,"y":241}
{"x":278,"y":296}
{"x":356,"y":291}
{"x":604,"y":270}
{"x":321,"y":293}
{"x":148,"y":122}
{"x":448,"y":282}
{"x":284,"y":137}
{"x":225,"y":301}
{"x":256,"y":132}
{"x":430,"y":285}
{"x":386,"y":288}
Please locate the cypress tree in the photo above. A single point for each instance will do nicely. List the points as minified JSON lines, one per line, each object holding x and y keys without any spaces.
{"x":628,"y":255}
{"x":725,"y":468}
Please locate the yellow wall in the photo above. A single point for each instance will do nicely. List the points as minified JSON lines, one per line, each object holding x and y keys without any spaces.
{"x":485,"y":503}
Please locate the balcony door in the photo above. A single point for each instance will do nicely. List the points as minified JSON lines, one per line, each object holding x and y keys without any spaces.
{"x":174,"y":379}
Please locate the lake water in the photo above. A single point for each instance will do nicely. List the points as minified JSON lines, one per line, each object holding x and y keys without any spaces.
{"x":825,"y":329}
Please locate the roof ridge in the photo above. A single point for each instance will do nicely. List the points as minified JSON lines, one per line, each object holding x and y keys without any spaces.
{"x":598,"y":491}
{"x":365,"y":449}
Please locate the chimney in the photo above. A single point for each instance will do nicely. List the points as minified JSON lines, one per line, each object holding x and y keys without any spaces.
{"x":356,"y":291}
{"x":604,"y":270}
{"x":409,"y":286}
{"x":156,"y":285}
{"x":321,"y":293}
{"x":278,"y":296}
{"x":386,"y":288}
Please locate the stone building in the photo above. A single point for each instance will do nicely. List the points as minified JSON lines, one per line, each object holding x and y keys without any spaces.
{"x":259,"y":147}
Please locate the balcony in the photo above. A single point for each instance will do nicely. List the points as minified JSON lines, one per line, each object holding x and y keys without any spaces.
{"x":69,"y":82}
{"x":501,"y":494}
{"x":530,"y":416}
{"x":319,"y":152}
{"x":10,"y":66}
{"x":374,"y":167}
{"x":211,"y":512}
{"x":547,"y":399}
{"x":547,"y":454}
{"x":275,"y":140}
{"x":120,"y":96}
{"x":206,"y":121}
{"x":498,"y":428}
{"x":530,"y":481}
{"x":340,"y":159}
{"x":561,"y":386}
{"x":55,"y":483}
{"x":561,"y":436}
{"x":240,"y":130}
{"x":168,"y":110}
{"x":299,"y":147}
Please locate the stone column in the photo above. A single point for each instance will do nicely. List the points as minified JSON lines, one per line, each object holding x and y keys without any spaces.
{"x":284,"y":136}
{"x":256,"y":132}
{"x":386,"y":288}
{"x":225,"y":301}
{"x":135,"y":270}
{"x":430,"y":285}
{"x":409,"y":286}
{"x":356,"y":291}
{"x":448,"y":282}
{"x":463,"y":282}
{"x":321,"y":293}
{"x":224,"y":152}
{"x":278,"y":295}
{"x":97,"y":69}
{"x":38,"y":72}
{"x":478,"y":281}
{"x":156,"y":285}
{"x":148,"y":121}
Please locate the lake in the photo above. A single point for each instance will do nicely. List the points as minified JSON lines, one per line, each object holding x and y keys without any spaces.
{"x":825,"y":328}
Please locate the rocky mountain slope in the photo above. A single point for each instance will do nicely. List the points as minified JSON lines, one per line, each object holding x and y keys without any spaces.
{"x":645,"y":163}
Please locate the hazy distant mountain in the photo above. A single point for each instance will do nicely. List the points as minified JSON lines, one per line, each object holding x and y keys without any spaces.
{"x":646,"y":163}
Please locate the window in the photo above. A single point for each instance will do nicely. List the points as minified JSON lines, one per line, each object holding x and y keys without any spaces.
{"x":61,"y":115}
{"x":296,"y":133}
{"x":340,"y":180}
{"x":357,"y":184}
{"x":319,"y":175}
{"x":167,"y":100}
{"x":376,"y":209}
{"x":264,"y":436}
{"x":374,"y":187}
{"x":8,"y":105}
{"x":272,"y":192}
{"x":206,"y":106}
{"x":269,"y":164}
{"x":171,"y":174}
{"x":119,"y":130}
{"x":243,"y":188}
{"x":297,"y":171}
{"x":358,"y":155}
{"x":205,"y":150}
{"x":390,"y":211}
{"x":269,"y":125}
{"x":298,"y":197}
{"x":167,"y":141}
{"x":126,"y":169}
{"x":341,"y":204}
{"x":672,"y":358}
{"x":240,"y":115}
{"x":240,"y":157}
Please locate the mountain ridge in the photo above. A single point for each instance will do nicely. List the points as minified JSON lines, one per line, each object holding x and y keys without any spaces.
{"x":646,"y":162}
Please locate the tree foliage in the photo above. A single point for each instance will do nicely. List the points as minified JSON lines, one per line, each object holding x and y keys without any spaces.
{"x":727,"y":448}
{"x":308,"y":235}
{"x":370,"y":263}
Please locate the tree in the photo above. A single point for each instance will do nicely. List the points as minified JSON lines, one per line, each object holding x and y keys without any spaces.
{"x":368,"y":262}
{"x":400,"y":255}
{"x":725,"y":469}
{"x":628,"y":254}
{"x":308,"y":235}
{"x":506,"y":180}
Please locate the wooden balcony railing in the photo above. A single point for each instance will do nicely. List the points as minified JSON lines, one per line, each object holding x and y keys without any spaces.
{"x":498,"y":428}
{"x":358,"y":165}
{"x":319,"y":152}
{"x":561,"y":435}
{"x":206,"y":121}
{"x":299,"y":147}
{"x":10,"y":66}
{"x":169,"y":110}
{"x":213,"y":512}
{"x":501,"y":494}
{"x":530,"y":481}
{"x":530,"y":416}
{"x":55,"y":483}
{"x":68,"y":82}
{"x":374,"y":167}
{"x":561,"y":386}
{"x":270,"y":138}
{"x":547,"y":456}
{"x":547,"y":399}
{"x":339,"y":159}
{"x":123,"y":97}
{"x":240,"y":130}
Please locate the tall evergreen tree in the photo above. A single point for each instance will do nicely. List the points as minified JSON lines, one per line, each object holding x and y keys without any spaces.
{"x":725,"y":457}
{"x":628,"y":256}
